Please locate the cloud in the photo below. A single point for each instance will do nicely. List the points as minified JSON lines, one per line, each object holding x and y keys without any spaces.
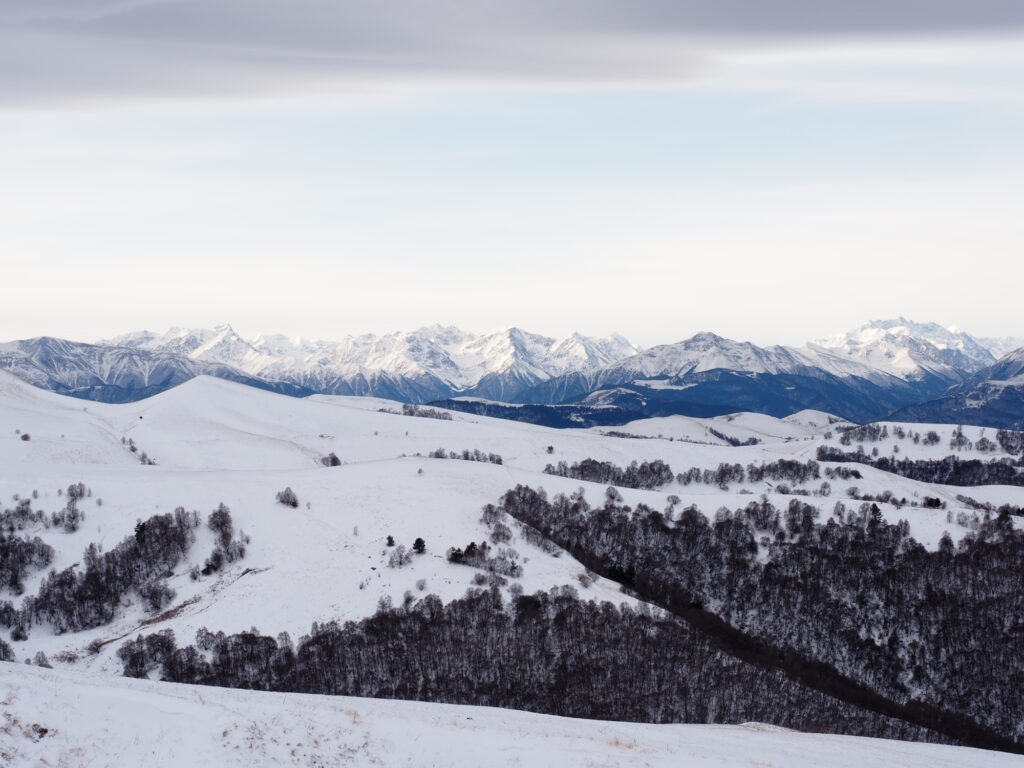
{"x":61,"y":51}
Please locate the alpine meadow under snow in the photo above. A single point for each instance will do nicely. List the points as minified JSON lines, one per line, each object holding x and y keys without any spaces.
{"x":223,"y":535}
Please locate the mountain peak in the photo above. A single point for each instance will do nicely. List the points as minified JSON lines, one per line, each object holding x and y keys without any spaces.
{"x":707,"y":337}
{"x":910,"y":349}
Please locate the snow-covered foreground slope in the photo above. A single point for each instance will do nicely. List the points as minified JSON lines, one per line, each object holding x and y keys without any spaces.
{"x":328,"y":558}
{"x":61,"y":718}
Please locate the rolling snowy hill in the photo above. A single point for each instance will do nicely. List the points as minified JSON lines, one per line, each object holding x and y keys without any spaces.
{"x":215,"y":441}
{"x":327,"y":558}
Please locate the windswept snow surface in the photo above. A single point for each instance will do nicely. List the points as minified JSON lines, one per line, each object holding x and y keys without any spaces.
{"x":61,"y":718}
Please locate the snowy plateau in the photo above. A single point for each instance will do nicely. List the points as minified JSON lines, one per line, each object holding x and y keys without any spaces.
{"x":361,"y":472}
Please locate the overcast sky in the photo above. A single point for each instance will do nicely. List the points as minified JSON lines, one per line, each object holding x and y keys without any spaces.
{"x":772,"y":171}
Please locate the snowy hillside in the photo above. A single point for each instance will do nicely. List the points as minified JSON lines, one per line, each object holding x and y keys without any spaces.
{"x":994,"y":397}
{"x":214,"y":441}
{"x":365,"y":486}
{"x":69,"y":719}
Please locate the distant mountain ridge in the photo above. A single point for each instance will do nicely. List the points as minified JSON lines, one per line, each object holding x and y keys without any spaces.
{"x":994,"y":397}
{"x":912,"y":351}
{"x":865,"y":374}
{"x":862,"y":375}
{"x":425,"y":364}
{"x":114,"y":374}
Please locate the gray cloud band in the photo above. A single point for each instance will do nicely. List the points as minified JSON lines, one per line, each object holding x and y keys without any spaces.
{"x":66,"y":50}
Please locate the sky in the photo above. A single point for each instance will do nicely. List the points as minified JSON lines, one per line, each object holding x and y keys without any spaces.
{"x":774,"y":171}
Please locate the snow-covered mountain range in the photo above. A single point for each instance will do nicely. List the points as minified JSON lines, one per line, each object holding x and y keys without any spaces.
{"x":861,"y":375}
{"x":864,"y":374}
{"x":425,"y":364}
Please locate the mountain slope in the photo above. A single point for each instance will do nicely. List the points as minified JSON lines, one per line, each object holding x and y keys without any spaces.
{"x":912,"y":351}
{"x":862,"y":375}
{"x":708,"y":375}
{"x":110,"y":373}
{"x":994,"y":397}
{"x":1000,"y":347}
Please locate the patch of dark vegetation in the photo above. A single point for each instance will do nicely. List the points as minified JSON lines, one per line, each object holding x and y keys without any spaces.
{"x":228,"y":548}
{"x":88,"y":595}
{"x":951,"y":470}
{"x":288,"y":498}
{"x":20,"y":555}
{"x":546,"y":652}
{"x":1010,"y":441}
{"x":853,"y":606}
{"x":648,"y":474}
{"x":410,"y":409}
{"x":783,"y":470}
{"x":466,"y":455}
{"x":735,"y":442}
{"x":331,"y":460}
{"x":483,"y":557}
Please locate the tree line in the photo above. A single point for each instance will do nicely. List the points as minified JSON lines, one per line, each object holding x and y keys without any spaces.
{"x":854,"y":593}
{"x":548,"y":652}
{"x":951,"y":470}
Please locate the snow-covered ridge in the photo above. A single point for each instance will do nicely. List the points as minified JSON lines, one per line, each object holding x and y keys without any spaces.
{"x":456,"y":358}
{"x":876,"y":351}
{"x":707,"y":352}
{"x":863,"y":375}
